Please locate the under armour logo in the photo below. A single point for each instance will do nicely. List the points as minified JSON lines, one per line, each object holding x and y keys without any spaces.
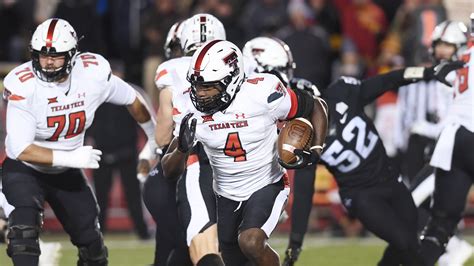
{"x":52,"y":100}
{"x":79,"y":95}
{"x":237,"y":116}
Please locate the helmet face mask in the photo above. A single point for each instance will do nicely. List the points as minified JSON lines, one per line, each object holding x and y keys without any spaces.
{"x":55,"y":38}
{"x":217,"y":64}
{"x":173,"y":42}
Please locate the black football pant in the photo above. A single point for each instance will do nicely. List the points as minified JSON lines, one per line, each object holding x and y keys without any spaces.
{"x":159,"y":195}
{"x":303,"y":190}
{"x":128,"y":174}
{"x":72,"y":201}
{"x":451,"y":190}
{"x":387,"y":210}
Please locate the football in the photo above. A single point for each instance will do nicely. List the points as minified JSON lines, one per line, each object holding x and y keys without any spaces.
{"x":295,"y":134}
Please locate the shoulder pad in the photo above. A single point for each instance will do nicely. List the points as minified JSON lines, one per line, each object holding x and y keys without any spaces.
{"x":19,"y":83}
{"x":163,"y":75}
{"x":95,"y":65}
{"x":264,"y":87}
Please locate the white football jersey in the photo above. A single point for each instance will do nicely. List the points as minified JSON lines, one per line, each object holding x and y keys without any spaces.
{"x":55,"y":115}
{"x":462,"y":108}
{"x":241,"y":141}
{"x":172,"y":75}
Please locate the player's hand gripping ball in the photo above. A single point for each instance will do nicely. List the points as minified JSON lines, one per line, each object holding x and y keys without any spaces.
{"x":296,"y":134}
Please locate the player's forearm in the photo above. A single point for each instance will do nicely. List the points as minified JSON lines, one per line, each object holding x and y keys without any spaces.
{"x":139,"y":110}
{"x":37,"y":155}
{"x":174,"y":162}
{"x":163,"y":132}
{"x":319,"y":120}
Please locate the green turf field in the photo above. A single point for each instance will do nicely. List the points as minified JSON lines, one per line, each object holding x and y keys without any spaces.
{"x":124,"y":249}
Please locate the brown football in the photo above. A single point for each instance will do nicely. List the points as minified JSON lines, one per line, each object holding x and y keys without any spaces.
{"x":295,"y":134}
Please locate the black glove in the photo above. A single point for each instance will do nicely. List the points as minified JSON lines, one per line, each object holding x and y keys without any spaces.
{"x":291,"y":256}
{"x":186,"y":134}
{"x":440,"y":71}
{"x":304,"y":158}
{"x":304,"y":84}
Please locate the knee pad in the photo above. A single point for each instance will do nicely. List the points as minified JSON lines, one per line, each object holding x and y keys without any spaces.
{"x":438,"y":230}
{"x":95,"y":254}
{"x":24,"y":226}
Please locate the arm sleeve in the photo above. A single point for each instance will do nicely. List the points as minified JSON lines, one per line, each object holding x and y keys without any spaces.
{"x":373,"y":87}
{"x":21,"y":128}
{"x":119,"y":92}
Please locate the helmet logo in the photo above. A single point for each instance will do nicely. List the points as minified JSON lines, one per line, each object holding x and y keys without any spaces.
{"x":231,"y":60}
{"x":257,"y":51}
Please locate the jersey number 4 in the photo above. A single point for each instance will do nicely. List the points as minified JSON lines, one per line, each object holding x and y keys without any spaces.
{"x":77,"y":122}
{"x":347,"y":160}
{"x":233,"y":147}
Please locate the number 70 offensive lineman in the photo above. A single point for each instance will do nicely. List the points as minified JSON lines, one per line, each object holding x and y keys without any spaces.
{"x":51,"y":102}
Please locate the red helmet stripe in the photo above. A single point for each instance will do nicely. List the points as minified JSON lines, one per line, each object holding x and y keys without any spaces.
{"x":49,"y":37}
{"x":201,"y":55}
{"x":175,"y":33}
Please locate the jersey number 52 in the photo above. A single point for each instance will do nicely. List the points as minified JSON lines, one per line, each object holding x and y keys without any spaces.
{"x":347,"y":160}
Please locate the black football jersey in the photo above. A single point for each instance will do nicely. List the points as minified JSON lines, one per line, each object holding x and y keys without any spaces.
{"x":354,"y":153}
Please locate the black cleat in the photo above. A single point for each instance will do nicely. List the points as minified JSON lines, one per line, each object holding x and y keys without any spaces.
{"x":291,"y":256}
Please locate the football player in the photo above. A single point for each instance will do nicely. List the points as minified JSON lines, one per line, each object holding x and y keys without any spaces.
{"x":195,"y":198}
{"x":453,"y":161}
{"x":425,"y":120}
{"x":272,"y":55}
{"x":51,"y":102}
{"x":235,"y":118}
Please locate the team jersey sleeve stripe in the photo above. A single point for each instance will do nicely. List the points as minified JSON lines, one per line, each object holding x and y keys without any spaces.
{"x":161,"y":74}
{"x":294,"y":104}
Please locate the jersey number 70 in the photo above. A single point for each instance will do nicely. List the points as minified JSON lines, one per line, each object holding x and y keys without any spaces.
{"x":77,"y":122}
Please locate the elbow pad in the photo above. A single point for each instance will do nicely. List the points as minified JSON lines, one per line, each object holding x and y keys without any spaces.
{"x":305,"y":103}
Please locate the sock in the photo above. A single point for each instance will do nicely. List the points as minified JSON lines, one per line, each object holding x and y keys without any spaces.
{"x":210,"y":260}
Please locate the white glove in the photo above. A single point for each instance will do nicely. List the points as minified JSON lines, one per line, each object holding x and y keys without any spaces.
{"x":425,"y":129}
{"x":149,"y":151}
{"x":83,"y":157}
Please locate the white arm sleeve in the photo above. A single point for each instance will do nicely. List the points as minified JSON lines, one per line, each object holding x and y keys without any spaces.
{"x":21,"y":128}
{"x":119,"y":92}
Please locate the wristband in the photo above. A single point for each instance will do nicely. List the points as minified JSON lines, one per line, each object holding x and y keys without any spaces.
{"x":149,"y":129}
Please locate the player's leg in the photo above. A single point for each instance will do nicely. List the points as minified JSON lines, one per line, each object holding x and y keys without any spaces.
{"x":23,"y":190}
{"x":457,"y":250}
{"x":159,"y":195}
{"x":131,"y":186}
{"x":451,"y":189}
{"x":197,"y":212}
{"x":229,"y":216}
{"x":374,"y":207}
{"x":259,"y":219}
{"x":76,"y":208}
{"x":102,"y":178}
{"x":303,"y":190}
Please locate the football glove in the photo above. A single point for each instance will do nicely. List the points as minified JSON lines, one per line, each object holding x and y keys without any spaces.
{"x":304,"y":84}
{"x":303,"y":159}
{"x":187,"y":133}
{"x":83,"y":157}
{"x":440,"y":71}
